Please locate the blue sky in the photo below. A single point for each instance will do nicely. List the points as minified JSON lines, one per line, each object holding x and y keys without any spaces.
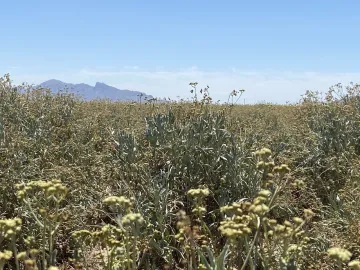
{"x":274,"y":49}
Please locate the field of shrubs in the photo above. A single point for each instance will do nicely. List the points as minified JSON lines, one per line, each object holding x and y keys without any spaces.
{"x":179,"y":185}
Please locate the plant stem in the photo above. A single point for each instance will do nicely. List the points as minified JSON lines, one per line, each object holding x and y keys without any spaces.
{"x":15,"y":253}
{"x":44,"y":262}
{"x":258,"y":229}
{"x":247,"y":248}
{"x":127,"y":253}
{"x":33,"y":214}
{"x":252,"y":246}
{"x":205,"y":226}
{"x":109,"y":261}
{"x":52,"y":233}
{"x":134,"y":253}
{"x":51,"y":241}
{"x":265,"y":258}
{"x":112,"y":256}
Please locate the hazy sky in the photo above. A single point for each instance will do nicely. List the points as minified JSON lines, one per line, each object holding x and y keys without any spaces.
{"x":275,"y":50}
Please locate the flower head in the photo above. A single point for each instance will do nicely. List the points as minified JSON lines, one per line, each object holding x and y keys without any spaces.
{"x":355,"y":265}
{"x":340,"y":254}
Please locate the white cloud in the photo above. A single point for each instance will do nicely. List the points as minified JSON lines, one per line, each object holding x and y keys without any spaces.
{"x":268,"y":86}
{"x":131,"y":67}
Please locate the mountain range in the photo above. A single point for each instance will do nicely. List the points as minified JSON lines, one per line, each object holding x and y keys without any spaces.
{"x":99,"y":91}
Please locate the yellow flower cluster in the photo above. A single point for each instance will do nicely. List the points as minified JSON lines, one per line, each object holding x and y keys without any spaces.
{"x":242,"y":215}
{"x":188,"y":233}
{"x":132,"y":219}
{"x":183,"y":225}
{"x":30,"y":264}
{"x":355,"y":265}
{"x":261,"y":165}
{"x":115,"y":239}
{"x":118,"y":201}
{"x":339,"y":254}
{"x":82,"y":236}
{"x":268,"y":166}
{"x":6,"y":255}
{"x":263,"y":153}
{"x":9,"y":227}
{"x":108,"y":235}
{"x":298,"y":183}
{"x":234,"y":228}
{"x":21,"y":255}
{"x":287,"y":229}
{"x":52,"y":189}
{"x":282,"y":169}
{"x":309,"y":214}
{"x":198,"y":193}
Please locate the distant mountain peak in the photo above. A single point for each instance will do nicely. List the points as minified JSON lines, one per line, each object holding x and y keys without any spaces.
{"x":100,"y":90}
{"x":100,"y":84}
{"x":53,"y":81}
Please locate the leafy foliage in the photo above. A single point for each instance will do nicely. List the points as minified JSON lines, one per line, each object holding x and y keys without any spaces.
{"x":178,"y":185}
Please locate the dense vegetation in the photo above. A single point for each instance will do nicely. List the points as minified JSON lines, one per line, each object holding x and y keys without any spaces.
{"x":179,"y":185}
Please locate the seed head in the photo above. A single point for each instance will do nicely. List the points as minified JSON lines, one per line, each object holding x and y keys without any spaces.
{"x":6,"y":255}
{"x":282,"y":169}
{"x":355,"y":265}
{"x":21,"y":255}
{"x":272,"y":222}
{"x":120,"y":201}
{"x":270,"y":165}
{"x":34,"y":252}
{"x":280,"y":228}
{"x":196,"y":193}
{"x":246,"y":230}
{"x":264,"y":193}
{"x":263,"y":153}
{"x":260,"y":209}
{"x":260,"y":165}
{"x":298,"y":220}
{"x":81,"y":234}
{"x":340,"y":254}
{"x":30,"y":264}
{"x":259,"y":200}
{"x":132,"y":219}
{"x":309,"y":214}
{"x":287,"y":223}
{"x":199,"y":210}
